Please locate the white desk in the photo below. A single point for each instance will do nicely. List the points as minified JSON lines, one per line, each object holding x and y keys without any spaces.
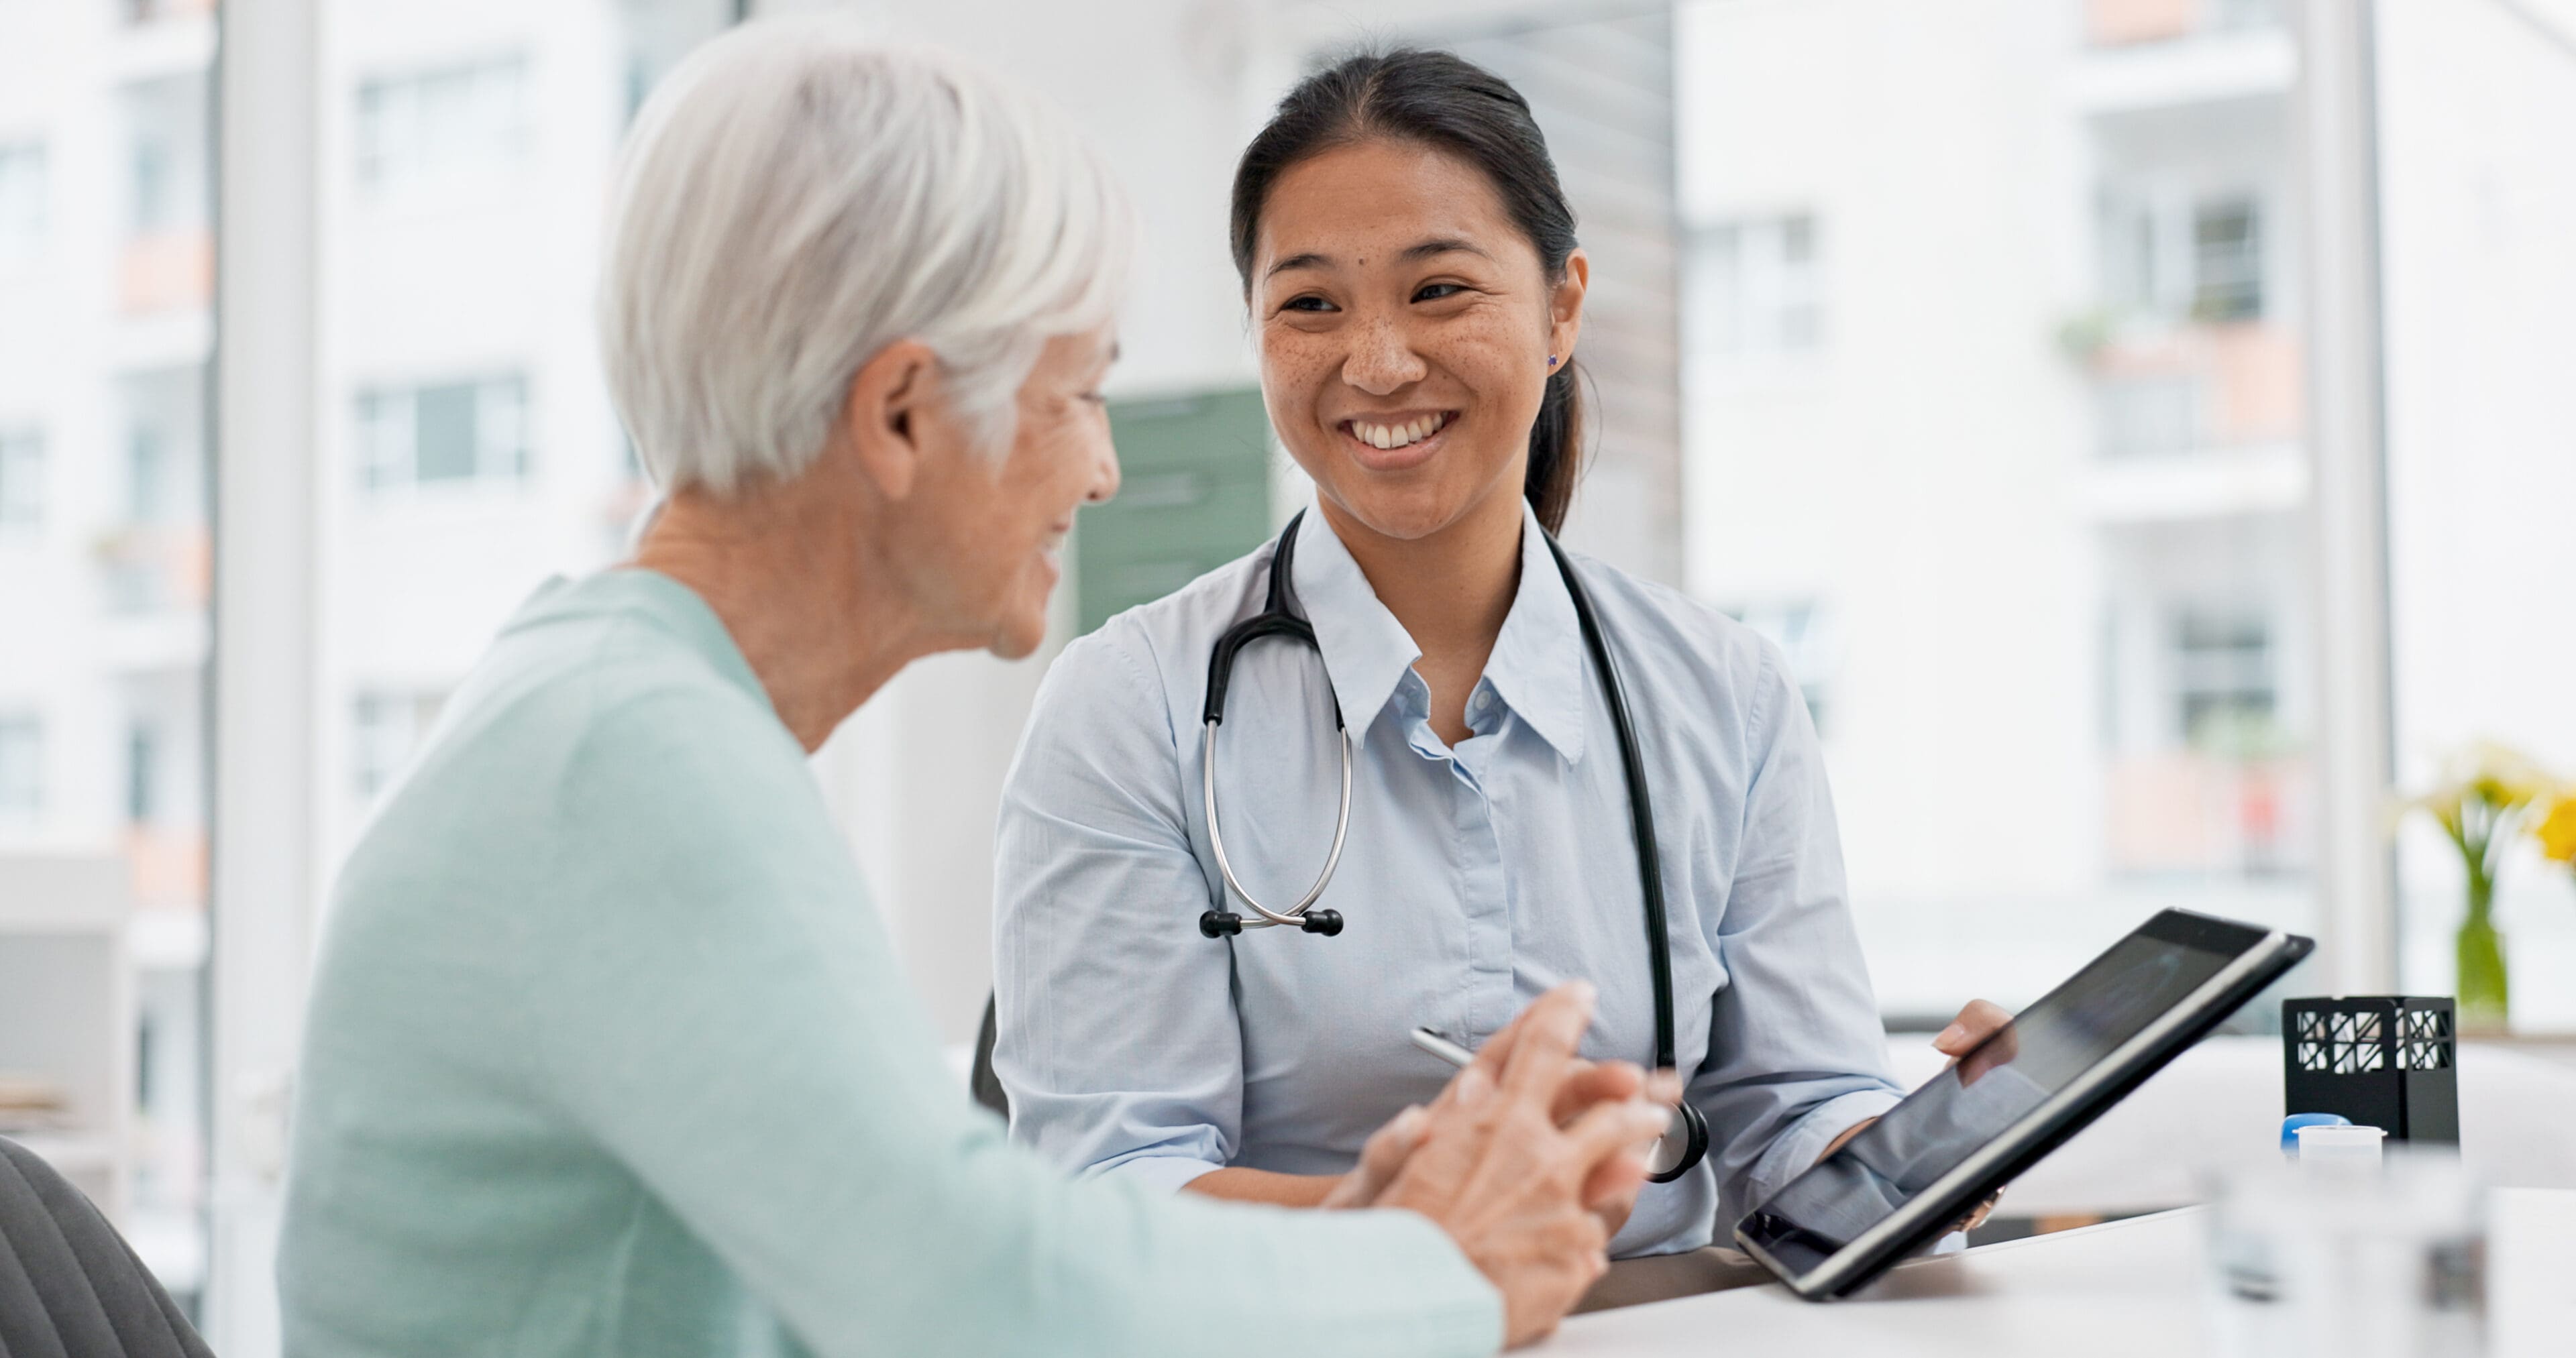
{"x":2130,"y":1287}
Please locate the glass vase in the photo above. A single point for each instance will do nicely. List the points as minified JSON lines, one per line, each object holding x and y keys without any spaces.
{"x":2484,"y":993}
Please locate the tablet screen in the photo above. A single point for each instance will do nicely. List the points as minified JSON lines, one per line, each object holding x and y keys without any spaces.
{"x":2046,"y":1047}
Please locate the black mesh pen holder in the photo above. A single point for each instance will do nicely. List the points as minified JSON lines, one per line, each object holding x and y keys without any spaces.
{"x":2385,"y":1061}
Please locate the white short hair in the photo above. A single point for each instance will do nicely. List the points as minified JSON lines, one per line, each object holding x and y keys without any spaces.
{"x":795,"y":197}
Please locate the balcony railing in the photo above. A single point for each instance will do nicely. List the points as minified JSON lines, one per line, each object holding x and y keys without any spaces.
{"x":168,"y":867}
{"x":153,"y":568}
{"x":140,"y":12}
{"x":172,"y":270}
{"x":2196,"y":387}
{"x":2193,"y":813}
{"x":2129,"y":23}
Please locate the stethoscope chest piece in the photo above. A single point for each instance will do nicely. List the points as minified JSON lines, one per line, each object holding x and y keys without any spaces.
{"x":1684,"y":1142}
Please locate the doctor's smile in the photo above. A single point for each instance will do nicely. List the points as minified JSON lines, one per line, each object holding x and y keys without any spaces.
{"x":1392,"y":442}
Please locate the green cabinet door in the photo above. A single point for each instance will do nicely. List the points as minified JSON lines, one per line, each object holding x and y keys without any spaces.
{"x":1194,"y":494}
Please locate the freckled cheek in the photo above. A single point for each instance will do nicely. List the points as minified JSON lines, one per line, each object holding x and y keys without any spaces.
{"x":1294,"y":375}
{"x":1491,"y":358}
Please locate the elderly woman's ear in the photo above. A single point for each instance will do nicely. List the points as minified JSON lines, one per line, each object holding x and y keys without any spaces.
{"x":894,"y":401}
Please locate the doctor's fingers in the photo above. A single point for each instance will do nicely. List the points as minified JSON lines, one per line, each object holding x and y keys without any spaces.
{"x":1976,"y":1022}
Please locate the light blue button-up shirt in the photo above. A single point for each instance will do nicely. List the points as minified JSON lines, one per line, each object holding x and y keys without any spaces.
{"x":1133,"y":1046}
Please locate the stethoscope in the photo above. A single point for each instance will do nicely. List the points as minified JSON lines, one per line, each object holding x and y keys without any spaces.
{"x":1686,"y":1142}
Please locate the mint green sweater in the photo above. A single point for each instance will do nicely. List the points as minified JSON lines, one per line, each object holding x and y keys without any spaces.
{"x":609,"y":1055}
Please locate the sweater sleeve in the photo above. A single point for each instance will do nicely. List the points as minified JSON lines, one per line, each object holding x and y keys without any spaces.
{"x":717,"y":1004}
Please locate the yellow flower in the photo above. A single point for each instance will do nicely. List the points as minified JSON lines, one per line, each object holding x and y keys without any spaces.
{"x":2505,"y":777}
{"x":2442,"y":804}
{"x":2557,"y":830}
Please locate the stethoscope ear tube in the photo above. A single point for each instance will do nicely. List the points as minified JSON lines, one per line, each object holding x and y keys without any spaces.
{"x":1324,"y":922}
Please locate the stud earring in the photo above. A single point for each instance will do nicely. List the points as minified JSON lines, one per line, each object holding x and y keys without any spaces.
{"x":1551,"y":360}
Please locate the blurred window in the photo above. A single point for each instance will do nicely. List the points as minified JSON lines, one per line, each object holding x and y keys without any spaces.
{"x":2050,"y":493}
{"x":385,"y":725}
{"x":426,"y":133}
{"x":22,"y":771}
{"x":2227,"y":277}
{"x":142,"y":773}
{"x":449,"y":431}
{"x":107,"y":259}
{"x":166,"y":185}
{"x":2477,"y":188}
{"x":166,"y":258}
{"x":23,"y":185}
{"x":1799,"y":629}
{"x":147,"y":472}
{"x":153,"y":11}
{"x":2222,"y":666}
{"x":153,"y":198}
{"x":1759,"y":285}
{"x":22,"y":478}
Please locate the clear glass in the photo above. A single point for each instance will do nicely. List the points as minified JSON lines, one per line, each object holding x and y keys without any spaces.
{"x":1994,"y":421}
{"x":467,"y":447}
{"x":2479,"y":202}
{"x":106,"y":281}
{"x":2356,"y":1259}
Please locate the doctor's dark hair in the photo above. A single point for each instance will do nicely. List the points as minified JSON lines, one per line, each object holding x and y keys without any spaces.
{"x":1449,"y":104}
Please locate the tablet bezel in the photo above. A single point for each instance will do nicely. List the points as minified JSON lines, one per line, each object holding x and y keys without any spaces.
{"x":1929,"y":1214}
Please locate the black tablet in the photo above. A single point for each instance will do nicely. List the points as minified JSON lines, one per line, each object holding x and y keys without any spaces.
{"x":1902,"y":1183}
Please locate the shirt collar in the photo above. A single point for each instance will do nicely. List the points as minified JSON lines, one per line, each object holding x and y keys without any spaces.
{"x":1536,"y":667}
{"x":1538,"y":660}
{"x":1366,"y":651}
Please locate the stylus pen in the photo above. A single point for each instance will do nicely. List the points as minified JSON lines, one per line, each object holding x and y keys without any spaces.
{"x":1459,"y":1056}
{"x":1443,"y":1048}
{"x":1670,"y":1145}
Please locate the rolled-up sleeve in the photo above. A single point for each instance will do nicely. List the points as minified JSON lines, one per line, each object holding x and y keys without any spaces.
{"x":1116,"y":1036}
{"x":1797,"y":1052}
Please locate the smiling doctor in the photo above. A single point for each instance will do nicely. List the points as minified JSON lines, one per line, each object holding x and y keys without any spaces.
{"x":1416,"y":295}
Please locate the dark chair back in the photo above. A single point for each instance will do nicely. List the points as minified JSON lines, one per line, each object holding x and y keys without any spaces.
{"x":68,"y":1283}
{"x":987,"y":1085}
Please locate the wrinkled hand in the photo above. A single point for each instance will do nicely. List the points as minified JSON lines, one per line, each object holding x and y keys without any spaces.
{"x":1520,"y":1192}
{"x":1380,"y":1160}
{"x":1587,"y":1083}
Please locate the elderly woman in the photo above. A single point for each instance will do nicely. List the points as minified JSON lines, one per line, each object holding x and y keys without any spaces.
{"x":608,"y":1052}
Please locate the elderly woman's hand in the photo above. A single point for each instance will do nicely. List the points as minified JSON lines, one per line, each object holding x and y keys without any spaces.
{"x":1587,"y":1083}
{"x":1520,"y":1193}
